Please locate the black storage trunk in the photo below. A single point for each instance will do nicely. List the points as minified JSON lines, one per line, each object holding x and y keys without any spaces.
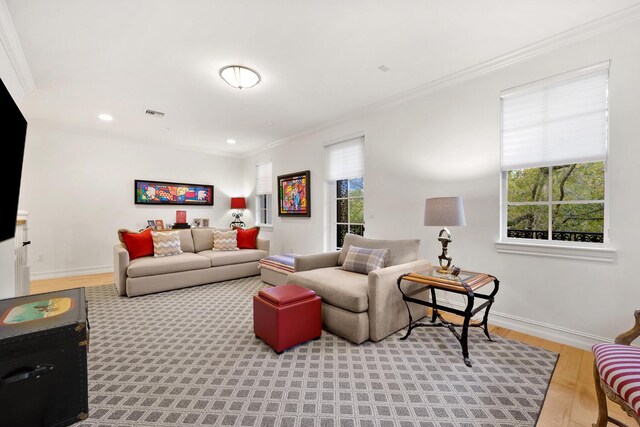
{"x":43,"y":359}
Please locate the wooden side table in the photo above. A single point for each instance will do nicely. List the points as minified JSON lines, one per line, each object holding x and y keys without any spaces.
{"x":465,"y":284}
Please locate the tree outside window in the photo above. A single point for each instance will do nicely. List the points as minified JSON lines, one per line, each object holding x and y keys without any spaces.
{"x":349,"y":208}
{"x":563,"y":203}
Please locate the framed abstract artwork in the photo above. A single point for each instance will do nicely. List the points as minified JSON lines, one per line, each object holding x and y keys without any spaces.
{"x":172,"y":193}
{"x":294,"y":194}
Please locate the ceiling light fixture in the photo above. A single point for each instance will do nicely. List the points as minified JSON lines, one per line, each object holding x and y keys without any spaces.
{"x":231,"y":141}
{"x":239,"y":77}
{"x":105,"y":117}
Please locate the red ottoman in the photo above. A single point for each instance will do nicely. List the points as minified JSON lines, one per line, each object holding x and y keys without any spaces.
{"x":286,"y":315}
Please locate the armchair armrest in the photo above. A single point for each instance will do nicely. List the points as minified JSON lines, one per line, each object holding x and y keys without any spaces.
{"x":263,"y":245}
{"x":628,"y":337}
{"x":312,"y":262}
{"x":120,"y":264}
{"x":387,"y":311}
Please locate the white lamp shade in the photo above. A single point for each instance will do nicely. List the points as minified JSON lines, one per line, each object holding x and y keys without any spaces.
{"x":239,"y":77}
{"x":444,"y":211}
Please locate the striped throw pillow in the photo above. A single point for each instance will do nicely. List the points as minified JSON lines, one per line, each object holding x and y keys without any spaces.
{"x":363,"y":260}
{"x":166,"y":244}
{"x":225,"y":240}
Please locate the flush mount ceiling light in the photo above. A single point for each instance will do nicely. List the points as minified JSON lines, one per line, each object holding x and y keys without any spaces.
{"x":239,"y":77}
{"x":231,"y":141}
{"x":105,"y":117}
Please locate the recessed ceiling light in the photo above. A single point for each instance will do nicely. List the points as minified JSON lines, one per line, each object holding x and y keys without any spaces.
{"x":231,"y":141}
{"x":239,"y":77}
{"x":269,"y":123}
{"x":105,"y":117}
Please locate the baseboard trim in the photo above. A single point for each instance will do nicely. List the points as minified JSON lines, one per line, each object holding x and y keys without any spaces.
{"x":44,"y":275}
{"x":547,"y":331}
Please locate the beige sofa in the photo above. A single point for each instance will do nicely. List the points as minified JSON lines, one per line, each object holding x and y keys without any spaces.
{"x":197,"y":265}
{"x":356,"y":306}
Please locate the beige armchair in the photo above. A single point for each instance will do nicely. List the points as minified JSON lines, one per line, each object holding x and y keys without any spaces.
{"x":356,"y":306}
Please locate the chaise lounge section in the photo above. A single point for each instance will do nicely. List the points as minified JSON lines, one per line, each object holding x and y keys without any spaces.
{"x":197,"y":265}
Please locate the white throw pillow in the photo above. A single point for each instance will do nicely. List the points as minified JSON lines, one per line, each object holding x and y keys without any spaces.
{"x":225,"y":240}
{"x":166,"y":244}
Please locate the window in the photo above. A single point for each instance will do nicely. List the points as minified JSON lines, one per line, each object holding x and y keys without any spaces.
{"x":349,"y":208}
{"x":263,"y":209}
{"x":567,"y":200}
{"x":345,"y":178}
{"x":554,"y":149}
{"x":264,"y":188}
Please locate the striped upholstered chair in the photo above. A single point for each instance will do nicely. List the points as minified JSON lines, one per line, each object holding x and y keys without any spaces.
{"x":617,"y":374}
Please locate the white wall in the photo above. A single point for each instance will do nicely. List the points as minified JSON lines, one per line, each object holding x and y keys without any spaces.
{"x":79,"y":192}
{"x":448,"y":143}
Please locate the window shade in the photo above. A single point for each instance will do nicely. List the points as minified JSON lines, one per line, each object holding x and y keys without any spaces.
{"x":559,"y":122}
{"x":264,"y":181}
{"x":345,"y":160}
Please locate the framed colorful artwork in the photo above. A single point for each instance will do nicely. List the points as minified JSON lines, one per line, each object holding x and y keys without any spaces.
{"x":172,"y":193}
{"x":294,"y":194}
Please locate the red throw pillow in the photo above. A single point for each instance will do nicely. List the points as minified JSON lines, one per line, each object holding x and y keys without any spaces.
{"x":138,"y":244}
{"x":247,"y":239}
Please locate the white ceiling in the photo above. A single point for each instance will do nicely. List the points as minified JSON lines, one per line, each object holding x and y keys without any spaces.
{"x":318,"y":59}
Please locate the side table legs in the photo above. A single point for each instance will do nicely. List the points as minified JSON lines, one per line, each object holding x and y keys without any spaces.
{"x":467,"y":314}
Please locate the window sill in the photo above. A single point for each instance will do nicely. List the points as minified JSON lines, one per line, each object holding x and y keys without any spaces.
{"x":557,"y":251}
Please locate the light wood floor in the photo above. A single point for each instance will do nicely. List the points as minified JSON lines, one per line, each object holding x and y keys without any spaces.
{"x":570,"y":401}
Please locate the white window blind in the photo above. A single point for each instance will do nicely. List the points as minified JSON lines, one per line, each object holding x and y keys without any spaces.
{"x":345,"y":160}
{"x":264,"y":181}
{"x":557,"y":121}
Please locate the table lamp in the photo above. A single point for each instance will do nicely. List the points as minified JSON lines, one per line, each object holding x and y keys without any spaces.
{"x":444,"y":212}
{"x":238,"y":203}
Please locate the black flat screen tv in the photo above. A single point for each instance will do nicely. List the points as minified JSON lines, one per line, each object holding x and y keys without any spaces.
{"x":14,"y":133}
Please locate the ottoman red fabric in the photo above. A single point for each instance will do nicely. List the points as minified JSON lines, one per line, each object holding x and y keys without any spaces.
{"x":286,"y":315}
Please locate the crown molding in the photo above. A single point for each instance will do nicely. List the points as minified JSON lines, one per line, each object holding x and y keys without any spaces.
{"x":77,"y":130}
{"x":11,"y":43}
{"x":590,"y":29}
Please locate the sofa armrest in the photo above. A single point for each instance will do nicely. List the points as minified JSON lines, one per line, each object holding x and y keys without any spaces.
{"x":263,"y":245}
{"x":120,"y":264}
{"x":312,"y":262}
{"x":387,"y":310}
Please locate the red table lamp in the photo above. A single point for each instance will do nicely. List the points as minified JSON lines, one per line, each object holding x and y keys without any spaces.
{"x":238,"y":203}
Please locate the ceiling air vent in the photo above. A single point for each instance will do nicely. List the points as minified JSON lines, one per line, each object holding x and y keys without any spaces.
{"x":154,"y":113}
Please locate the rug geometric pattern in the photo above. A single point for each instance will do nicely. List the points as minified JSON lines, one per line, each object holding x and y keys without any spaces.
{"x":189,"y":357}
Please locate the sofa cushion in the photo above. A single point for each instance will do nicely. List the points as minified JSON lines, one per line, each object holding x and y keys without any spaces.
{"x":137,"y":244}
{"x":337,"y":287}
{"x":202,"y":239}
{"x":186,"y":240}
{"x":400,"y":251}
{"x":166,"y":244}
{"x":218,"y":258}
{"x":363,"y":260}
{"x":149,"y":266}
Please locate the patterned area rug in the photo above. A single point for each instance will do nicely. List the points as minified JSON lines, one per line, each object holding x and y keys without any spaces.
{"x":189,"y":357}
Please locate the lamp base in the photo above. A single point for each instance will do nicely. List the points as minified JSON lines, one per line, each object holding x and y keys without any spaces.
{"x":237,"y":222}
{"x":445,"y":260}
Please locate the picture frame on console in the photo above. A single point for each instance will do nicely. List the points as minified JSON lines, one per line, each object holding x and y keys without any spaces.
{"x":294,"y":194}
{"x":151,"y":223}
